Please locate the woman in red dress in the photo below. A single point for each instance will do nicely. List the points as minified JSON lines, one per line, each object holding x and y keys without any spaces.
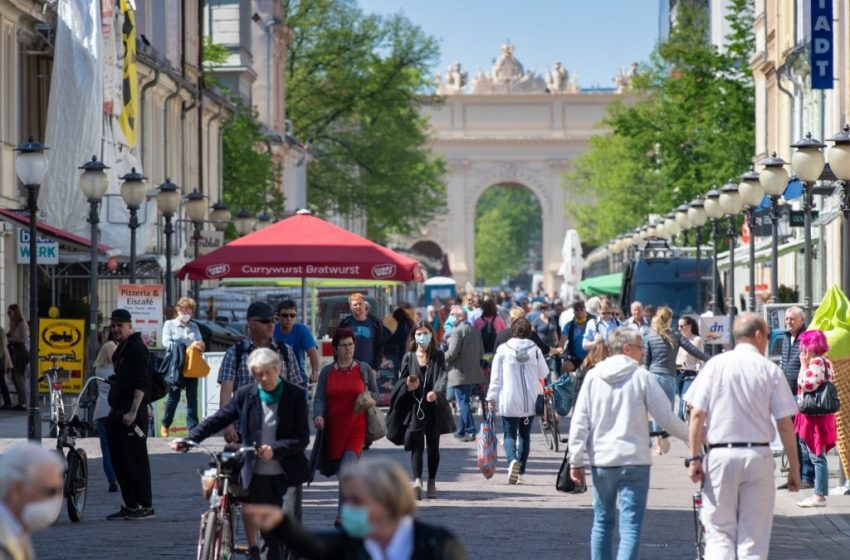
{"x":340,"y":383}
{"x":816,"y":431}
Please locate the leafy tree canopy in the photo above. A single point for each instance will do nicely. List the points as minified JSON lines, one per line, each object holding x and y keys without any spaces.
{"x":354,"y":85}
{"x":508,"y":230}
{"x":691,"y":128}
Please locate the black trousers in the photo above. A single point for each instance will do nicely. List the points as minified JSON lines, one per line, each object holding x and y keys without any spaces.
{"x":275,"y":490}
{"x":129,"y":454}
{"x":418,"y":440}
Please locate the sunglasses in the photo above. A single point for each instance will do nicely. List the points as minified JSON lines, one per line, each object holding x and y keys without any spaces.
{"x":289,"y":315}
{"x":264,"y":321}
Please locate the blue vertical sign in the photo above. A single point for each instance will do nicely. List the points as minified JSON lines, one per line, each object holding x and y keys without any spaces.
{"x":822,"y":51}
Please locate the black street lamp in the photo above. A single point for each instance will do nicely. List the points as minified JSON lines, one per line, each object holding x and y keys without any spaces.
{"x":196,"y":211}
{"x":31,"y":167}
{"x":774,"y":180}
{"x":697,"y":218}
{"x":133,"y":191}
{"x":839,"y":161}
{"x":752,"y":194}
{"x":168,"y":202}
{"x":93,"y":183}
{"x":714,"y":213}
{"x":808,"y":162}
{"x":730,"y":202}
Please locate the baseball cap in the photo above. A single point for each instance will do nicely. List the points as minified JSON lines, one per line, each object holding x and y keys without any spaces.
{"x":121,"y":316}
{"x":260,"y":310}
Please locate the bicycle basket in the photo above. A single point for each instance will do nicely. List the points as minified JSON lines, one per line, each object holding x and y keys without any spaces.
{"x":564,"y":392}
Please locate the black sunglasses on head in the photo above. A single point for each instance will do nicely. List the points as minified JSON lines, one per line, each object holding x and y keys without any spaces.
{"x":290,"y":315}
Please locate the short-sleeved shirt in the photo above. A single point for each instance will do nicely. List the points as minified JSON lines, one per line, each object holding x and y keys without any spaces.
{"x":364,"y":340}
{"x":740,"y":390}
{"x":238,"y":373}
{"x":300,"y":339}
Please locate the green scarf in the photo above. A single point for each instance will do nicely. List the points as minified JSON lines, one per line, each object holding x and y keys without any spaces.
{"x":273,"y":397}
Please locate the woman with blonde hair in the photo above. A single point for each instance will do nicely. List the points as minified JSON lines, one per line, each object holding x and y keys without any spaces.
{"x":378,"y":521}
{"x":660,"y":349}
{"x":103,"y":369}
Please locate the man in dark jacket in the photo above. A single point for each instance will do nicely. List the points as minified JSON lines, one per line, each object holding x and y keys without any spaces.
{"x":368,"y":332}
{"x":127,"y":422}
{"x":789,"y":363}
{"x":270,"y":413}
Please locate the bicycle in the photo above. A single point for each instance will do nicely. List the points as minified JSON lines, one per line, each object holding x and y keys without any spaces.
{"x":56,"y":376}
{"x":699,"y":528}
{"x":75,"y":487}
{"x":549,"y":419}
{"x":216,"y":534}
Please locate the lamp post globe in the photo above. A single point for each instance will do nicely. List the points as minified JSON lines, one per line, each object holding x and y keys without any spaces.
{"x":244,"y":222}
{"x":839,"y":154}
{"x":712,"y":204}
{"x":682,"y":217}
{"x":196,"y":208}
{"x":31,"y":162}
{"x":671,"y":227}
{"x":730,"y":199}
{"x":93,"y":180}
{"x":773,"y":176}
{"x":808,"y":159}
{"x":263,"y":221}
{"x":220,"y":216}
{"x":168,"y":198}
{"x":750,"y":189}
{"x":697,"y":213}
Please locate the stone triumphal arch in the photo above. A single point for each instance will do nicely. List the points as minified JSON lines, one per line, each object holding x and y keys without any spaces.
{"x":510,"y":126}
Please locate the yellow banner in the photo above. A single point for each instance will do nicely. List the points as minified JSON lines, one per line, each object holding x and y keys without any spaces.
{"x":130,"y":87}
{"x":61,"y":342}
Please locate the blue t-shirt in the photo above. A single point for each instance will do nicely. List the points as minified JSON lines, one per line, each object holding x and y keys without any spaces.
{"x":576,"y":348}
{"x":300,"y":339}
{"x":364,"y":340}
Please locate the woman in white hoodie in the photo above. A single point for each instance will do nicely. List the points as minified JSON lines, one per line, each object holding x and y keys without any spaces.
{"x":517,"y":369}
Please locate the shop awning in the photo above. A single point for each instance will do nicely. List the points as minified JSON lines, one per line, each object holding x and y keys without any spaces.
{"x":52,"y":232}
{"x":606,"y":285}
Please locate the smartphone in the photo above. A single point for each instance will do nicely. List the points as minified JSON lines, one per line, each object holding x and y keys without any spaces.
{"x":413,"y":377}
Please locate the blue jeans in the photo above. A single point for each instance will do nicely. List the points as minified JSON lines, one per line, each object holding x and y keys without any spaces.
{"x":684,"y":383}
{"x":668,"y":384}
{"x":821,"y":468}
{"x":517,"y":448}
{"x":632,"y":486}
{"x":191,"y":386}
{"x":108,"y":470}
{"x":465,"y":425}
{"x":807,"y":466}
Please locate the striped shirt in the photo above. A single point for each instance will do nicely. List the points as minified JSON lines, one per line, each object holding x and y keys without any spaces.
{"x":739,"y":391}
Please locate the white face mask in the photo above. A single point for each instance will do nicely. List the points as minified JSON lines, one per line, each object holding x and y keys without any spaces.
{"x":184,"y":317}
{"x":38,"y":516}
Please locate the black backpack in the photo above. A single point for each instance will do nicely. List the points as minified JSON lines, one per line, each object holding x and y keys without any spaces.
{"x":488,"y":335}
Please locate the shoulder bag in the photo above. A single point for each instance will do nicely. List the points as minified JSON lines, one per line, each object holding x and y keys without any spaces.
{"x":376,"y":425}
{"x":823,"y":400}
{"x":564,"y":483}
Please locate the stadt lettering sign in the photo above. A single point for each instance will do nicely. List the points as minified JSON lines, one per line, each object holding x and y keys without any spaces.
{"x":822,"y":57}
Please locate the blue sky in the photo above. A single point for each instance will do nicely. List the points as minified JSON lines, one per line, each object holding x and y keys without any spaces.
{"x":592,"y":38}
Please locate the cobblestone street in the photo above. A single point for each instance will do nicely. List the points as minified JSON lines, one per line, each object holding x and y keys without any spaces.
{"x":492,"y":519}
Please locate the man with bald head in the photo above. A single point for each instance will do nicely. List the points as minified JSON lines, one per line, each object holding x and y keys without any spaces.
{"x":795,"y":325}
{"x":735,"y":399}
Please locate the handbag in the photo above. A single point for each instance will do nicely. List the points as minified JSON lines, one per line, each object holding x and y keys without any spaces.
{"x":488,"y":447}
{"x":195,"y":366}
{"x":364,"y":402}
{"x":565,"y":483}
{"x":823,"y":400}
{"x":376,"y":425}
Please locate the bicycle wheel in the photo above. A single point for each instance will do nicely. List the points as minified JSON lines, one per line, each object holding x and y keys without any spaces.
{"x":225,"y":548}
{"x":76,"y":484}
{"x":207,"y":536}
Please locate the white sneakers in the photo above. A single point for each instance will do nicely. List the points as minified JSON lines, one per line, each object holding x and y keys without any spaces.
{"x":513,"y":472}
{"x":811,"y":503}
{"x":417,"y":489}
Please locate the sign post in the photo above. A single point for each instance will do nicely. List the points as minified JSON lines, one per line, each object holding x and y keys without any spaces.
{"x":144,"y":302}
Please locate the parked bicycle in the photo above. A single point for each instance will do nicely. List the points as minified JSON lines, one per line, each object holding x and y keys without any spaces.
{"x":77,"y":465}
{"x":217,"y":532}
{"x":549,"y":419}
{"x":55,"y":376}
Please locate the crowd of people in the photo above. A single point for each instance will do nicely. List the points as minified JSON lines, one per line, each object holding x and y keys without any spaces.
{"x":631,"y":371}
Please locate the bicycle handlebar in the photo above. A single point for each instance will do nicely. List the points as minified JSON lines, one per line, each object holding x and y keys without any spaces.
{"x":216,"y":455}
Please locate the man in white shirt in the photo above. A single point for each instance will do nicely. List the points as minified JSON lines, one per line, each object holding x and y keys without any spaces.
{"x":733,"y":400}
{"x":638,"y":320}
{"x":609,"y":432}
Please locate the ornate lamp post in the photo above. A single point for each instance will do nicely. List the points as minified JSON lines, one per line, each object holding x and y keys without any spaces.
{"x":730,"y":202}
{"x":698,"y":217}
{"x":93,"y":183}
{"x":839,"y":161}
{"x":752,"y":194}
{"x":31,"y":167}
{"x":168,"y":202}
{"x":808,"y":162}
{"x":244,"y":222}
{"x":774,"y":180}
{"x":196,"y":211}
{"x":220,"y":216}
{"x":683,"y":221}
{"x":714,"y":212}
{"x":133,"y":191}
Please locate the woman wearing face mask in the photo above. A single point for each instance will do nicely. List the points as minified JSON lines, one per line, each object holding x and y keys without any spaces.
{"x":272,"y":413}
{"x":377,"y":522}
{"x":177,"y":334}
{"x":430,"y":414}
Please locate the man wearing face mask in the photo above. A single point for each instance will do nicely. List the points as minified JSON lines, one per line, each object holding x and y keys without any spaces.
{"x":30,"y":496}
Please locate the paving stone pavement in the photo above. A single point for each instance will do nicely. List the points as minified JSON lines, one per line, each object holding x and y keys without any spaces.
{"x":492,"y":519}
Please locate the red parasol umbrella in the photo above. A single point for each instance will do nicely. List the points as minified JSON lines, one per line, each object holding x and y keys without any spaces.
{"x":303,"y":246}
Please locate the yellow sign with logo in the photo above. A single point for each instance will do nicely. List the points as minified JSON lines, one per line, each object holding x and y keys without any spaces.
{"x":61,"y":345}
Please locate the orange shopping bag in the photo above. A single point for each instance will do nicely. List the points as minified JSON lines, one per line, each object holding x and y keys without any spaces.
{"x":195,"y":366}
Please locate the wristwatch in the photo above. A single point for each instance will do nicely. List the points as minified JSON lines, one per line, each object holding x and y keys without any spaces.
{"x":688,"y":460}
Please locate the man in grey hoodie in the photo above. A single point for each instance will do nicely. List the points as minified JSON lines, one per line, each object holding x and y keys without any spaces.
{"x":609,"y":433}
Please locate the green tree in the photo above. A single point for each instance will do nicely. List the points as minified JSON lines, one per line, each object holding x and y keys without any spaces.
{"x":692,"y":127}
{"x":508,"y":229}
{"x":354,"y":85}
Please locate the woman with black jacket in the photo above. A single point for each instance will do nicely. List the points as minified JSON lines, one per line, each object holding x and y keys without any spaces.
{"x":660,"y":349}
{"x":430,"y":414}
{"x":377,"y":522}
